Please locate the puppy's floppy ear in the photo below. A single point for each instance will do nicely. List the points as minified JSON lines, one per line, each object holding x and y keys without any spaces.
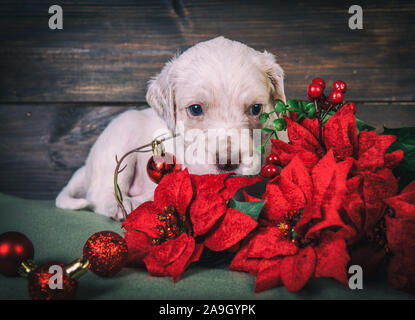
{"x":273,"y":70}
{"x":160,"y":95}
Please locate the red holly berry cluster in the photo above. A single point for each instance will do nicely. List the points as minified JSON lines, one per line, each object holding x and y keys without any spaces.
{"x":270,"y":168}
{"x":172,"y":225}
{"x":336,"y":96}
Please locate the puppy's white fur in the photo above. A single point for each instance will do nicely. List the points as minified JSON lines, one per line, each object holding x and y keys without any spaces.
{"x":225,"y":77}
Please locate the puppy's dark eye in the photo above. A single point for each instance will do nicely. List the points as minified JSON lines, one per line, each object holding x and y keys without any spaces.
{"x":255,"y":109}
{"x":195,"y":110}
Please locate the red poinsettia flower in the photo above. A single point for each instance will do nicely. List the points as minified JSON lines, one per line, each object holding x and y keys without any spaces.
{"x":339,"y":134}
{"x":300,"y":219}
{"x":188,"y":213}
{"x":371,"y":179}
{"x":400,"y":233}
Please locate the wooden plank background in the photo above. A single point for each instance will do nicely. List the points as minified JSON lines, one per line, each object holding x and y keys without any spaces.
{"x":59,"y":88}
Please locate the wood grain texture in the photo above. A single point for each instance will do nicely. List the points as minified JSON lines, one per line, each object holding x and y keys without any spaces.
{"x":109,"y":49}
{"x":41,"y":146}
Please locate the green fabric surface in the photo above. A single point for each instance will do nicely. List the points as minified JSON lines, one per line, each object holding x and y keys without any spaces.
{"x":60,"y":235}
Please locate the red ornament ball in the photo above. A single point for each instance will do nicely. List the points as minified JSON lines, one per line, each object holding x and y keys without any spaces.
{"x":314,"y":91}
{"x":107,"y":253}
{"x":320,"y":82}
{"x":160,"y":165}
{"x":340,"y":86}
{"x":39,"y":280}
{"x":336,"y":97}
{"x":269,"y":171}
{"x":272,"y":158}
{"x":15,"y":248}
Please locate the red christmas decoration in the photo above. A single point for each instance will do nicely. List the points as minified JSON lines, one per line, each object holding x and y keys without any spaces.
{"x":339,"y":85}
{"x":15,"y":248}
{"x":106,"y":252}
{"x":189,"y":212}
{"x":160,"y":163}
{"x":314,"y":91}
{"x":40,"y":283}
{"x":336,"y":97}
{"x":269,"y":171}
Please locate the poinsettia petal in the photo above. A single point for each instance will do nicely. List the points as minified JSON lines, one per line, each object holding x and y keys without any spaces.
{"x":174,"y":189}
{"x":276,"y":206}
{"x":298,"y":174}
{"x":393,"y":159}
{"x":233,"y":184}
{"x":332,"y":258}
{"x":286,"y":152}
{"x":241,"y":262}
{"x":139,"y":245}
{"x":300,"y":136}
{"x":233,"y":228}
{"x":297,"y":270}
{"x":377,"y":187}
{"x":209,"y":183}
{"x":404,"y":203}
{"x":144,"y":219}
{"x":340,"y":133}
{"x":268,"y":275}
{"x":154,"y":267}
{"x":311,"y":125}
{"x":372,"y":149}
{"x":401,"y":241}
{"x":331,"y":219}
{"x":170,"y":250}
{"x":322,"y":175}
{"x":178,"y":266}
{"x":269,"y":242}
{"x":205,"y":211}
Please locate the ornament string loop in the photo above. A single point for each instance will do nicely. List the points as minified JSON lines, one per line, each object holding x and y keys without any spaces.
{"x":156,"y":145}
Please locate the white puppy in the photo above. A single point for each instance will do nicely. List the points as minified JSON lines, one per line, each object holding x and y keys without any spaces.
{"x":220,"y":85}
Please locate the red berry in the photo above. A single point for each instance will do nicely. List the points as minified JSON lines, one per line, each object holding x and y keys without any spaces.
{"x":314,"y":90}
{"x":320,"y":82}
{"x":339,"y":86}
{"x":336,"y":97}
{"x":269,"y":171}
{"x":272,"y":158}
{"x":351,"y":105}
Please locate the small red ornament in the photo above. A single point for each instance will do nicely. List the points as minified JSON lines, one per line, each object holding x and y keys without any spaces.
{"x":314,"y":91}
{"x":39,"y":286}
{"x":269,"y":171}
{"x":320,"y":82}
{"x":160,"y":163}
{"x":107,"y":253}
{"x":336,"y":97}
{"x":339,"y":85}
{"x":15,"y":248}
{"x":272,"y":158}
{"x":42,"y":287}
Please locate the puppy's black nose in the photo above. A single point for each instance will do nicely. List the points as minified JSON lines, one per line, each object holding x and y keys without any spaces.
{"x":228,"y":166}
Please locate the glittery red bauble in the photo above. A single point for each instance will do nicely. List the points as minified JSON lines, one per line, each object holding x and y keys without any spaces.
{"x":107,"y":253}
{"x":40,"y":289}
{"x":160,"y":165}
{"x":15,"y":248}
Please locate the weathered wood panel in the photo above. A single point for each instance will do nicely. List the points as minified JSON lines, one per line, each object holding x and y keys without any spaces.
{"x":41,"y":146}
{"x":109,"y":49}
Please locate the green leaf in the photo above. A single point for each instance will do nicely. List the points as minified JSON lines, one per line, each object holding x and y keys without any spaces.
{"x":252,"y":209}
{"x":294,"y":105}
{"x":268,"y":130}
{"x":280,"y":106}
{"x":405,"y":140}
